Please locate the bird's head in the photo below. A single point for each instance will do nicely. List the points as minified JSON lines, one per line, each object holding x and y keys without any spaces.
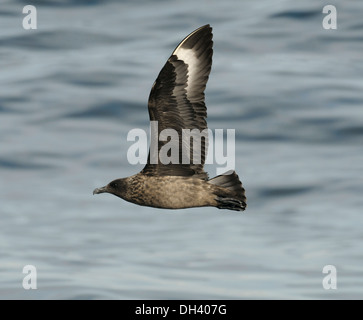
{"x":116,"y":187}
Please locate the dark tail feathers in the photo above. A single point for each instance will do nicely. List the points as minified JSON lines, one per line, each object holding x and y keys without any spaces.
{"x":233,"y":198}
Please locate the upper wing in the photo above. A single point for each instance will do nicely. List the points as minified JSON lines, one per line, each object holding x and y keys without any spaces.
{"x":177,"y":102}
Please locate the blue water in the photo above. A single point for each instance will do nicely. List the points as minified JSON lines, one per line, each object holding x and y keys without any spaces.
{"x":72,"y":89}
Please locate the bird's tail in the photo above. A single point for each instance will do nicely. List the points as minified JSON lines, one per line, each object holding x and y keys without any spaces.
{"x":232,"y":196}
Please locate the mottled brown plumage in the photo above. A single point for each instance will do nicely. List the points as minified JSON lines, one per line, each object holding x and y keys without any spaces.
{"x":177,"y":102}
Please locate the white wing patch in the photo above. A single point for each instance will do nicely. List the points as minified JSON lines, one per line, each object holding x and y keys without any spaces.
{"x":188,"y":57}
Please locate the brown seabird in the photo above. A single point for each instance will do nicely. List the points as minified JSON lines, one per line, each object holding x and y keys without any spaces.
{"x":176,"y":101}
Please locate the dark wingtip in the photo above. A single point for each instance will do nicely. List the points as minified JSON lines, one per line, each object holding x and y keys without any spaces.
{"x":206,"y":26}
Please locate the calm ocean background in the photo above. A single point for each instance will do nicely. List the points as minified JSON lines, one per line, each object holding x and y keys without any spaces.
{"x":72,"y":89}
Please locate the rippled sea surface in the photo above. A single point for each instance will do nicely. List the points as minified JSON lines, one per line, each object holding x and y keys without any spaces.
{"x":72,"y":89}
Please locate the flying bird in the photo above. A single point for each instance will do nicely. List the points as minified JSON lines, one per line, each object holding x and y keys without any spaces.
{"x":176,"y":102}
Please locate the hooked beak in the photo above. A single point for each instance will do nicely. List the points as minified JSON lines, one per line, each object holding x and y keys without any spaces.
{"x":100,"y":190}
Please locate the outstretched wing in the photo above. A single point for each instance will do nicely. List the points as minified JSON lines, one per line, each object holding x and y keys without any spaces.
{"x":177,"y":102}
